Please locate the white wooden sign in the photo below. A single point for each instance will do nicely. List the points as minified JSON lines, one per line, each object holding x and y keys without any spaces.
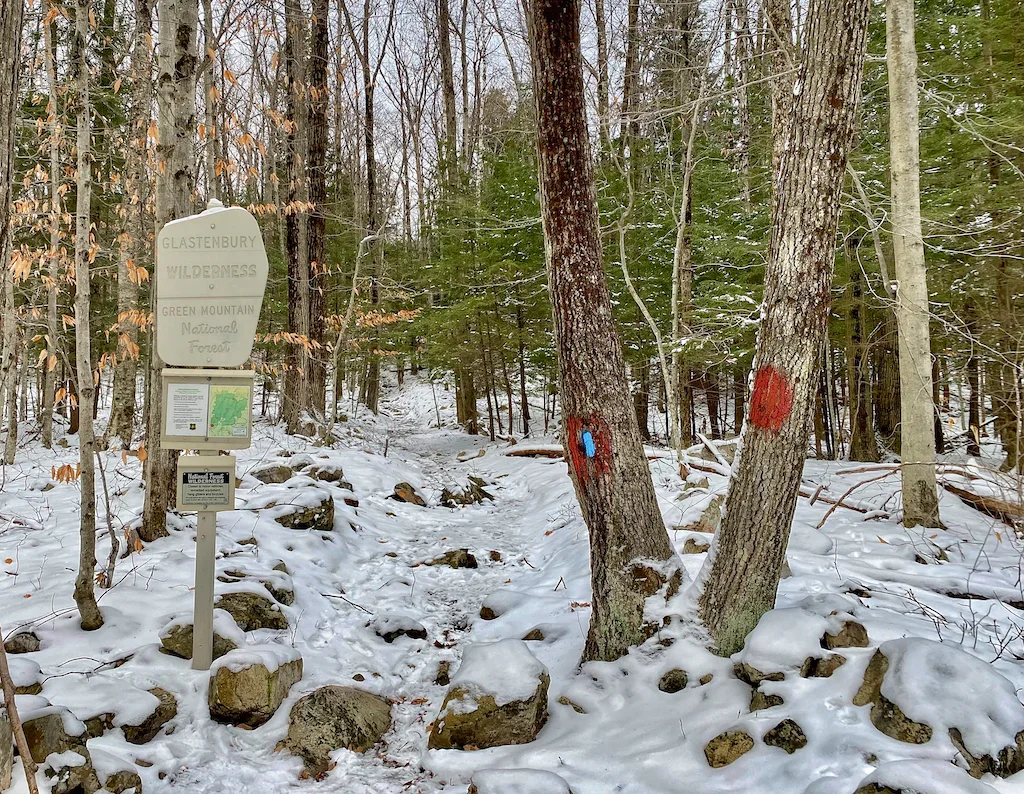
{"x":211,"y":273}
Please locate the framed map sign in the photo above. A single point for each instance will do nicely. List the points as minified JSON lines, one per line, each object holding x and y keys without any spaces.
{"x":207,"y":409}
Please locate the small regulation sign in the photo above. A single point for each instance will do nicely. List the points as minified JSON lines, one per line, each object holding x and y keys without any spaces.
{"x":206,"y":482}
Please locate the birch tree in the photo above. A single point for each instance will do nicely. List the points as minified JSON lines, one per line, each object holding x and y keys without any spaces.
{"x":750,"y":546}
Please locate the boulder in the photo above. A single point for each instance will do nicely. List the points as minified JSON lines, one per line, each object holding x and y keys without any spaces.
{"x":456,"y":558}
{"x":693,"y":546}
{"x":325,"y":472}
{"x":72,"y":772}
{"x":51,"y":729}
{"x":751,"y":675}
{"x":26,"y":676}
{"x":246,"y":687}
{"x":176,"y":636}
{"x":673,"y":681}
{"x":22,"y":642}
{"x":6,"y":751}
{"x":727,"y":747}
{"x":404,"y":492}
{"x":164,"y":710}
{"x":318,"y":516}
{"x":471,"y":494}
{"x":333,"y":717}
{"x":517,"y":781}
{"x":278,"y":584}
{"x":920,"y":776}
{"x":389,"y":626}
{"x":919,"y":687}
{"x":850,"y":635}
{"x":818,"y":667}
{"x":759,"y":701}
{"x":274,"y":474}
{"x":787,"y":735}
{"x":711,"y":519}
{"x":124,"y":781}
{"x":498,"y":697}
{"x":252,"y":611}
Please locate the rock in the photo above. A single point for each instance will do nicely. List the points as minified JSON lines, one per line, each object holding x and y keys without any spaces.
{"x":787,"y":735}
{"x":815,"y":667}
{"x":246,"y":687}
{"x":711,"y":518}
{"x":51,"y":729}
{"x":886,"y":715}
{"x":456,"y":558}
{"x":351,"y":501}
{"x":851,"y":635}
{"x":495,"y":556}
{"x":326,"y":473}
{"x":751,"y":675}
{"x":176,"y":636}
{"x":404,"y":492}
{"x":727,"y":449}
{"x":473,"y":493}
{"x":517,"y":781}
{"x":727,"y":747}
{"x":533,"y":635}
{"x":333,"y":717}
{"x":444,"y":669}
{"x":279,"y":586}
{"x":564,"y":701}
{"x":73,"y":773}
{"x":274,"y":474}
{"x":693,"y":546}
{"x":498,"y":697}
{"x":319,"y":516}
{"x":252,"y":611}
{"x":921,"y":776}
{"x":6,"y":751}
{"x":26,"y":676}
{"x":759,"y":701}
{"x":99,"y":725}
{"x":673,"y":681}
{"x":124,"y":781}
{"x":706,"y":679}
{"x":701,"y":483}
{"x":390,"y":626}
{"x":166,"y":709}
{"x":22,"y":642}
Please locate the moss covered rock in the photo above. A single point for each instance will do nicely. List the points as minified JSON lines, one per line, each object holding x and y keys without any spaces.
{"x":247,"y":687}
{"x":252,"y":611}
{"x":165,"y":709}
{"x":727,"y":747}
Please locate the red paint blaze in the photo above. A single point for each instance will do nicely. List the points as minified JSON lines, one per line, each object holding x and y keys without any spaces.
{"x":601,"y":463}
{"x":772,"y":400}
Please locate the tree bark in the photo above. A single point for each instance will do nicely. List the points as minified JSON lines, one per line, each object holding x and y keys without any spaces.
{"x":750,"y":546}
{"x":863,"y":445}
{"x":85,"y":595}
{"x":629,"y":547}
{"x":917,"y":440}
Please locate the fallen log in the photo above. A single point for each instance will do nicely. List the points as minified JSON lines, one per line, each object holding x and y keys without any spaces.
{"x":536,"y":453}
{"x":1010,"y":513}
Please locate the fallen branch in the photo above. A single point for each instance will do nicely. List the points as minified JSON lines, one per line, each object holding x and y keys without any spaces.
{"x":12,"y":714}
{"x":555,"y":454}
{"x":840,"y":503}
{"x":1008,"y":512}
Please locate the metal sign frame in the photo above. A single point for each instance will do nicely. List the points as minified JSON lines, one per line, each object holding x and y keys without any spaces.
{"x":173,"y":380}
{"x":205,"y":464}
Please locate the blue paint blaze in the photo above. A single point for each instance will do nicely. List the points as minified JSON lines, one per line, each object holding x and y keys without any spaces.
{"x":588,"y":444}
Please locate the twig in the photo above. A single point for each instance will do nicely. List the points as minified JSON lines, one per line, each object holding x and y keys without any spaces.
{"x":107,"y":577}
{"x":350,"y":603}
{"x":839,"y":502}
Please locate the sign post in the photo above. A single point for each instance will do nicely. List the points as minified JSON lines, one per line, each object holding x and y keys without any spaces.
{"x":211,"y":273}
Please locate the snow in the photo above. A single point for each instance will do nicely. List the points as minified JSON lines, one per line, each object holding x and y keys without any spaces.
{"x":519,"y":781}
{"x":926,"y":777}
{"x":270,"y":656}
{"x":506,"y":670}
{"x":945,"y":687}
{"x":632,"y":738}
{"x":223,"y":625}
{"x":390,"y":622}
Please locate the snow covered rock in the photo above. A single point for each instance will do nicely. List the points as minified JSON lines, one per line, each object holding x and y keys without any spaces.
{"x":499,"y":696}
{"x":787,"y":641}
{"x":273,"y":474}
{"x":27,"y":677}
{"x":247,"y":686}
{"x":22,"y":642}
{"x":850,"y":635}
{"x":176,"y":636}
{"x":500,"y":602}
{"x":404,"y":492}
{"x":6,"y":751}
{"x":787,"y":735}
{"x":918,"y":688}
{"x":727,"y":747}
{"x":252,"y":611}
{"x":317,"y":513}
{"x":278,"y":583}
{"x":694,"y":546}
{"x":117,"y":775}
{"x":49,"y":729}
{"x":325,"y":472}
{"x":456,"y":558}
{"x":463,"y":496}
{"x":334,"y":717}
{"x":162,"y":709}
{"x":921,"y":777}
{"x":389,"y":626}
{"x":72,"y":772}
{"x":517,"y":781}
{"x":711,"y":519}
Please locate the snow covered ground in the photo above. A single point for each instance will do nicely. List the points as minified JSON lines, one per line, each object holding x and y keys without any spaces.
{"x":632,"y":738}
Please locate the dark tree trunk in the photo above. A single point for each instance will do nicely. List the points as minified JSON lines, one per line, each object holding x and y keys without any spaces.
{"x":974,"y":387}
{"x":642,"y":397}
{"x":863,"y":445}
{"x":739,"y":396}
{"x":319,"y":96}
{"x":629,"y":547}
{"x":750,"y":546}
{"x":887,"y":383}
{"x":940,"y":441}
{"x":522,"y":370}
{"x":711,"y":394}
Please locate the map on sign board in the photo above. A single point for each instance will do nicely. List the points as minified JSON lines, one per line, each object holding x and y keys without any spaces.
{"x":229,"y":411}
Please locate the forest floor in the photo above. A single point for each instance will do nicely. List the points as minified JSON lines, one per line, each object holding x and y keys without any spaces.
{"x":632,"y":739}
